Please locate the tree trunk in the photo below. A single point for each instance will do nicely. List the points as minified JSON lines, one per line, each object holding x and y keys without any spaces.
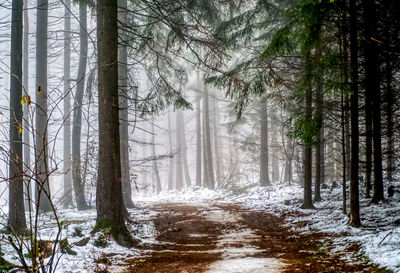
{"x":319,"y":149}
{"x":372,"y":89}
{"x":198,"y":142}
{"x":16,"y":215}
{"x":157,"y":181}
{"x":184,"y":150}
{"x":79,"y":188}
{"x":209,"y":162}
{"x":264,"y":173}
{"x":67,"y":198}
{"x":43,"y":194}
{"x":206,"y":177}
{"x":179,"y":151}
{"x":218,"y":157}
{"x":307,"y":202}
{"x":109,"y":200}
{"x":275,"y":159}
{"x":389,"y":120}
{"x":123,"y":113}
{"x":171,"y":158}
{"x":354,"y":191}
{"x":27,"y":117}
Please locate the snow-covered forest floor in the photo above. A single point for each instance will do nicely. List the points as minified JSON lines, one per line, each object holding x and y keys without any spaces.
{"x":377,"y":242}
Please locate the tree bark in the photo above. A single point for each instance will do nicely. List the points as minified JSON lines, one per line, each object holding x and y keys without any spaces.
{"x":43,"y":194}
{"x":389,"y":119}
{"x":198,"y":142}
{"x":79,"y":188}
{"x":319,"y":149}
{"x":354,"y":184}
{"x":184,"y":151}
{"x":67,"y":198}
{"x":157,"y":181}
{"x":218,"y":157}
{"x":109,"y":199}
{"x":171,"y":158}
{"x":16,"y":215}
{"x":307,"y":200}
{"x":123,"y":113}
{"x":179,"y":151}
{"x":275,"y":159}
{"x":27,"y":117}
{"x":209,"y":161}
{"x":264,"y":173}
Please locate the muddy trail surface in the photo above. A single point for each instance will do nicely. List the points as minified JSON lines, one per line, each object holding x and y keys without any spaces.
{"x":222,"y":238}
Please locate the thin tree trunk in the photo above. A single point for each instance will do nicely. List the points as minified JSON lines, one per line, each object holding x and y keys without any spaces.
{"x":198,"y":143}
{"x":209,"y":161}
{"x":264,"y":173}
{"x":179,"y":150}
{"x":67,"y":198}
{"x":319,"y":149}
{"x":157,"y":181}
{"x":354,"y":190}
{"x":41,"y":149}
{"x":109,"y":199}
{"x":123,"y":113}
{"x":184,"y":150}
{"x":206,"y":178}
{"x":275,"y":159}
{"x":79,"y":188}
{"x":389,"y":120}
{"x":27,"y":118}
{"x":16,"y":211}
{"x":171,"y":158}
{"x":216,"y":141}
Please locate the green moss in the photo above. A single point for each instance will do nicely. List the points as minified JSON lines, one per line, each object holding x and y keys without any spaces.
{"x":118,"y":231}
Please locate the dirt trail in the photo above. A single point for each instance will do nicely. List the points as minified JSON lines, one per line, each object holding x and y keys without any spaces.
{"x":222,"y":238}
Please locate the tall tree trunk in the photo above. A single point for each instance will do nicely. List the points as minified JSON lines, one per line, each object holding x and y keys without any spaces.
{"x":198,"y":142}
{"x":372,"y":89}
{"x":354,"y":190}
{"x":16,"y":211}
{"x":209,"y":161}
{"x":264,"y":173}
{"x":67,"y":198}
{"x":184,"y":150}
{"x":307,"y":200}
{"x":41,"y":146}
{"x":319,"y":149}
{"x":206,"y":177}
{"x":171,"y":158}
{"x":123,"y":113}
{"x":218,"y":157}
{"x":27,"y":118}
{"x":179,"y":151}
{"x":389,"y":119}
{"x":348,"y":136}
{"x":109,"y":199}
{"x":275,"y":159}
{"x":79,"y":188}
{"x":157,"y":181}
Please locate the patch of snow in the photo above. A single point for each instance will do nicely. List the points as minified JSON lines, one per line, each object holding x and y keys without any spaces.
{"x":246,"y":265}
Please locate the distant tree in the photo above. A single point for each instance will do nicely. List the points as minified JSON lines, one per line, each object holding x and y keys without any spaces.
{"x":16,"y":211}
{"x":43,"y":194}
{"x":67,"y":198}
{"x":79,"y":188}
{"x":156,"y":174}
{"x":198,"y":141}
{"x":264,"y":173}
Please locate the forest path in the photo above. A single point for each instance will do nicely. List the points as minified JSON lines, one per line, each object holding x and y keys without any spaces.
{"x":223,"y":237}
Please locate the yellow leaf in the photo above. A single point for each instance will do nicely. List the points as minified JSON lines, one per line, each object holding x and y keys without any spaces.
{"x":39,"y":90}
{"x":20,"y":129}
{"x":23,"y":100}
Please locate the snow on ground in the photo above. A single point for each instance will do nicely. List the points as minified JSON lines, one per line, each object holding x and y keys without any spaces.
{"x":379,"y":237}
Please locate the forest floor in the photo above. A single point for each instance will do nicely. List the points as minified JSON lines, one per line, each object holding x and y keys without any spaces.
{"x":226,"y":237}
